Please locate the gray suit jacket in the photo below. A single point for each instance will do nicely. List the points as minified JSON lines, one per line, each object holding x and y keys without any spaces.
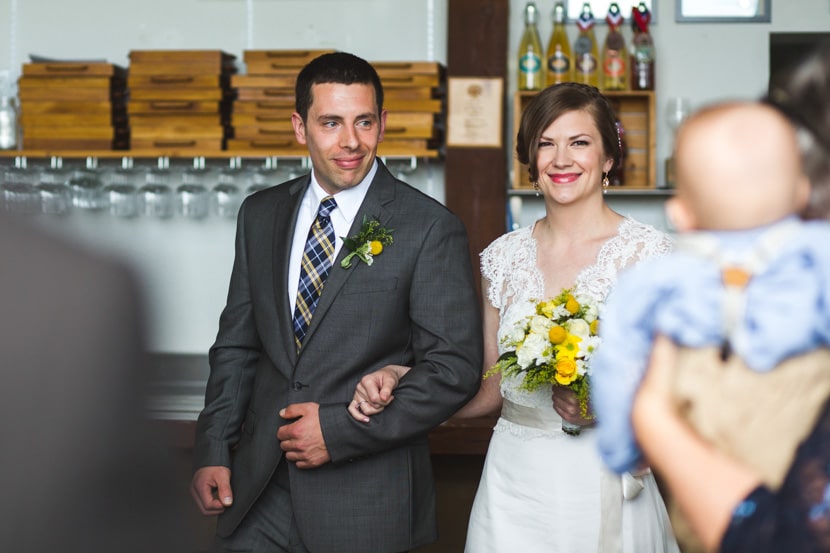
{"x":416,"y":305}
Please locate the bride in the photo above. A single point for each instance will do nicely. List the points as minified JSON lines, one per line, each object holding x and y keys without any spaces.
{"x":543,"y":490}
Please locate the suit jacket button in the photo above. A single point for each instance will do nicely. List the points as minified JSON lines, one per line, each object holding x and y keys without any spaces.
{"x":299,"y":385}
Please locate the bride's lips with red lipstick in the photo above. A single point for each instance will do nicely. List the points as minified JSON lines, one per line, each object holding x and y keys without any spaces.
{"x":563,"y":178}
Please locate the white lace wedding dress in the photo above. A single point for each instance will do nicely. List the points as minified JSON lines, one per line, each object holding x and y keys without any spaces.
{"x":542,"y":490}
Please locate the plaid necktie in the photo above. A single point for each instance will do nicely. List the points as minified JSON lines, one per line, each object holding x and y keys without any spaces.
{"x":314,"y":268}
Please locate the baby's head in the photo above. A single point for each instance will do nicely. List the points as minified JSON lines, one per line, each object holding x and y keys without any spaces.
{"x":738,"y":166}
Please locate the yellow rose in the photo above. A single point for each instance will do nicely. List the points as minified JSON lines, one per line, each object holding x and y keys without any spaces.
{"x":565,"y":371}
{"x":557,"y":334}
{"x":375,"y":247}
{"x":594,"y":326}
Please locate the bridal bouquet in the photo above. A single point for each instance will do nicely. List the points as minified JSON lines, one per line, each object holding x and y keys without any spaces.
{"x":553,"y":345}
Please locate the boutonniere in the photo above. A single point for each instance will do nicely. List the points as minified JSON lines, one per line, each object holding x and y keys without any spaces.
{"x":367,"y":243}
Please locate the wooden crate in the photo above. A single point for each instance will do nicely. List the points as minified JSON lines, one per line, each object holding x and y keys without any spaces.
{"x":279,"y":62}
{"x":72,"y":106}
{"x":636,"y":112}
{"x":180,"y":99}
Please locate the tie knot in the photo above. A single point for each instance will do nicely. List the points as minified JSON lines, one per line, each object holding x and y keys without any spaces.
{"x":326,"y":206}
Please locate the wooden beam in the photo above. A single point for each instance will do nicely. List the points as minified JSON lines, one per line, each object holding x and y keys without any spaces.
{"x":476,"y":178}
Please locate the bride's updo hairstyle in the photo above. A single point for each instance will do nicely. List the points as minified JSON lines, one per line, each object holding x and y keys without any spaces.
{"x":551,"y":103}
{"x":805,"y":99}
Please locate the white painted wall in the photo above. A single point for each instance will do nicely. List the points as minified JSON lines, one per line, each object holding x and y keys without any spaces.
{"x":186,"y":264}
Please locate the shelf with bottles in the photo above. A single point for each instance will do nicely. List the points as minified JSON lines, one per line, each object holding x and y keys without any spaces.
{"x":636,"y":113}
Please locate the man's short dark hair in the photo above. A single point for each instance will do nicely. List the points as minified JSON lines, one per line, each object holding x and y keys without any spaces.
{"x":336,"y":67}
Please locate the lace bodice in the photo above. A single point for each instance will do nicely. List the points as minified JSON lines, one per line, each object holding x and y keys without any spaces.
{"x":509,"y":264}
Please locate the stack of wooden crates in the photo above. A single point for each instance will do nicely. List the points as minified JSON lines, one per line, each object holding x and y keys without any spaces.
{"x":414,"y":97}
{"x":73,"y":106}
{"x":179,"y":100}
{"x":265,"y":101}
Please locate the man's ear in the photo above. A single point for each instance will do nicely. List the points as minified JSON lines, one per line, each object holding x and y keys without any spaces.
{"x":299,"y":127}
{"x":680,"y":216}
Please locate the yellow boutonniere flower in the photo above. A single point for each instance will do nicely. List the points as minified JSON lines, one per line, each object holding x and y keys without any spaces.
{"x":368,"y":243}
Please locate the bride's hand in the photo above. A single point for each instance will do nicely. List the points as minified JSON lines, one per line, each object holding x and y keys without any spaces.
{"x":374,"y":391}
{"x":566,"y":404}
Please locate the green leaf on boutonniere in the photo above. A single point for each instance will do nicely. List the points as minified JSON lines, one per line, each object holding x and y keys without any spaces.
{"x":367,"y":243}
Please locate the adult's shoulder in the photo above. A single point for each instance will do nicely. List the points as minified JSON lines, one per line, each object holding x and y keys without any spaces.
{"x":505,"y":251}
{"x":507,"y":242}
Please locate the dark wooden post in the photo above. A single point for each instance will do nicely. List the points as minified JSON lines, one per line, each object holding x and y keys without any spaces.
{"x":476,"y":178}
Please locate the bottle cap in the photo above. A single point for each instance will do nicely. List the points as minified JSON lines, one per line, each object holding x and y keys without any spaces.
{"x":586,"y":18}
{"x":530,"y":13}
{"x":614,"y":17}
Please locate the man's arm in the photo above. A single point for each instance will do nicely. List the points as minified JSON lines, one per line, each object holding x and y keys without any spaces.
{"x":445,"y":333}
{"x":233,"y":359}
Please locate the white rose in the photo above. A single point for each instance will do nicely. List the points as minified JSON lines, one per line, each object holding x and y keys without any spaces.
{"x":540,"y":325}
{"x":531,"y":350}
{"x":579,"y":328}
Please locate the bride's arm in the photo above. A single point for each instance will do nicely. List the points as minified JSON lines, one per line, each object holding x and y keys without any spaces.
{"x":488,"y":399}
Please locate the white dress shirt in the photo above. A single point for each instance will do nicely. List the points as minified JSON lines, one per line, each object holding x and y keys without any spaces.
{"x":348,"y":202}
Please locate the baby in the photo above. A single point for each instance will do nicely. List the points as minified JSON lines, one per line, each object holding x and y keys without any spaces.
{"x":744,"y":296}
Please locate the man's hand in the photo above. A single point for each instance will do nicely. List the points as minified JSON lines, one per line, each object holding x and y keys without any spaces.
{"x":211,"y":489}
{"x":302,"y":440}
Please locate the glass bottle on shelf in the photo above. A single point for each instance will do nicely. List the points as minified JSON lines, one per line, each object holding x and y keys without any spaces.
{"x":8,"y":123}
{"x":9,"y":129}
{"x":586,"y":65}
{"x":614,"y":53}
{"x":642,"y":49}
{"x":531,"y":71}
{"x":559,"y":54}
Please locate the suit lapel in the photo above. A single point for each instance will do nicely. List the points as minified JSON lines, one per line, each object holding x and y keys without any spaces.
{"x":284,"y":223}
{"x":380,"y":193}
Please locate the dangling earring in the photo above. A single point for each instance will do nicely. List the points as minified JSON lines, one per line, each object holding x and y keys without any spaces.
{"x":605,"y":183}
{"x":536,"y":187}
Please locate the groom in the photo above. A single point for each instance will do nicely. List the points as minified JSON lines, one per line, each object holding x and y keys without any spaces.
{"x":277,"y":453}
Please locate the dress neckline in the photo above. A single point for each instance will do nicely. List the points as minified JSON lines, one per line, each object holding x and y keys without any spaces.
{"x":540,"y":277}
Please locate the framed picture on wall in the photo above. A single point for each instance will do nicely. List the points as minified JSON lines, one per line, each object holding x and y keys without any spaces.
{"x":723,"y":11}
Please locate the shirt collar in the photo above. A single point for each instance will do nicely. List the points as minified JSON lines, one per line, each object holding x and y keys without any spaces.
{"x":349,"y":200}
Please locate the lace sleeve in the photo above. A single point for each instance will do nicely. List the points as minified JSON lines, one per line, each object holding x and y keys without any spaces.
{"x":509,"y":265}
{"x":492,"y":269}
